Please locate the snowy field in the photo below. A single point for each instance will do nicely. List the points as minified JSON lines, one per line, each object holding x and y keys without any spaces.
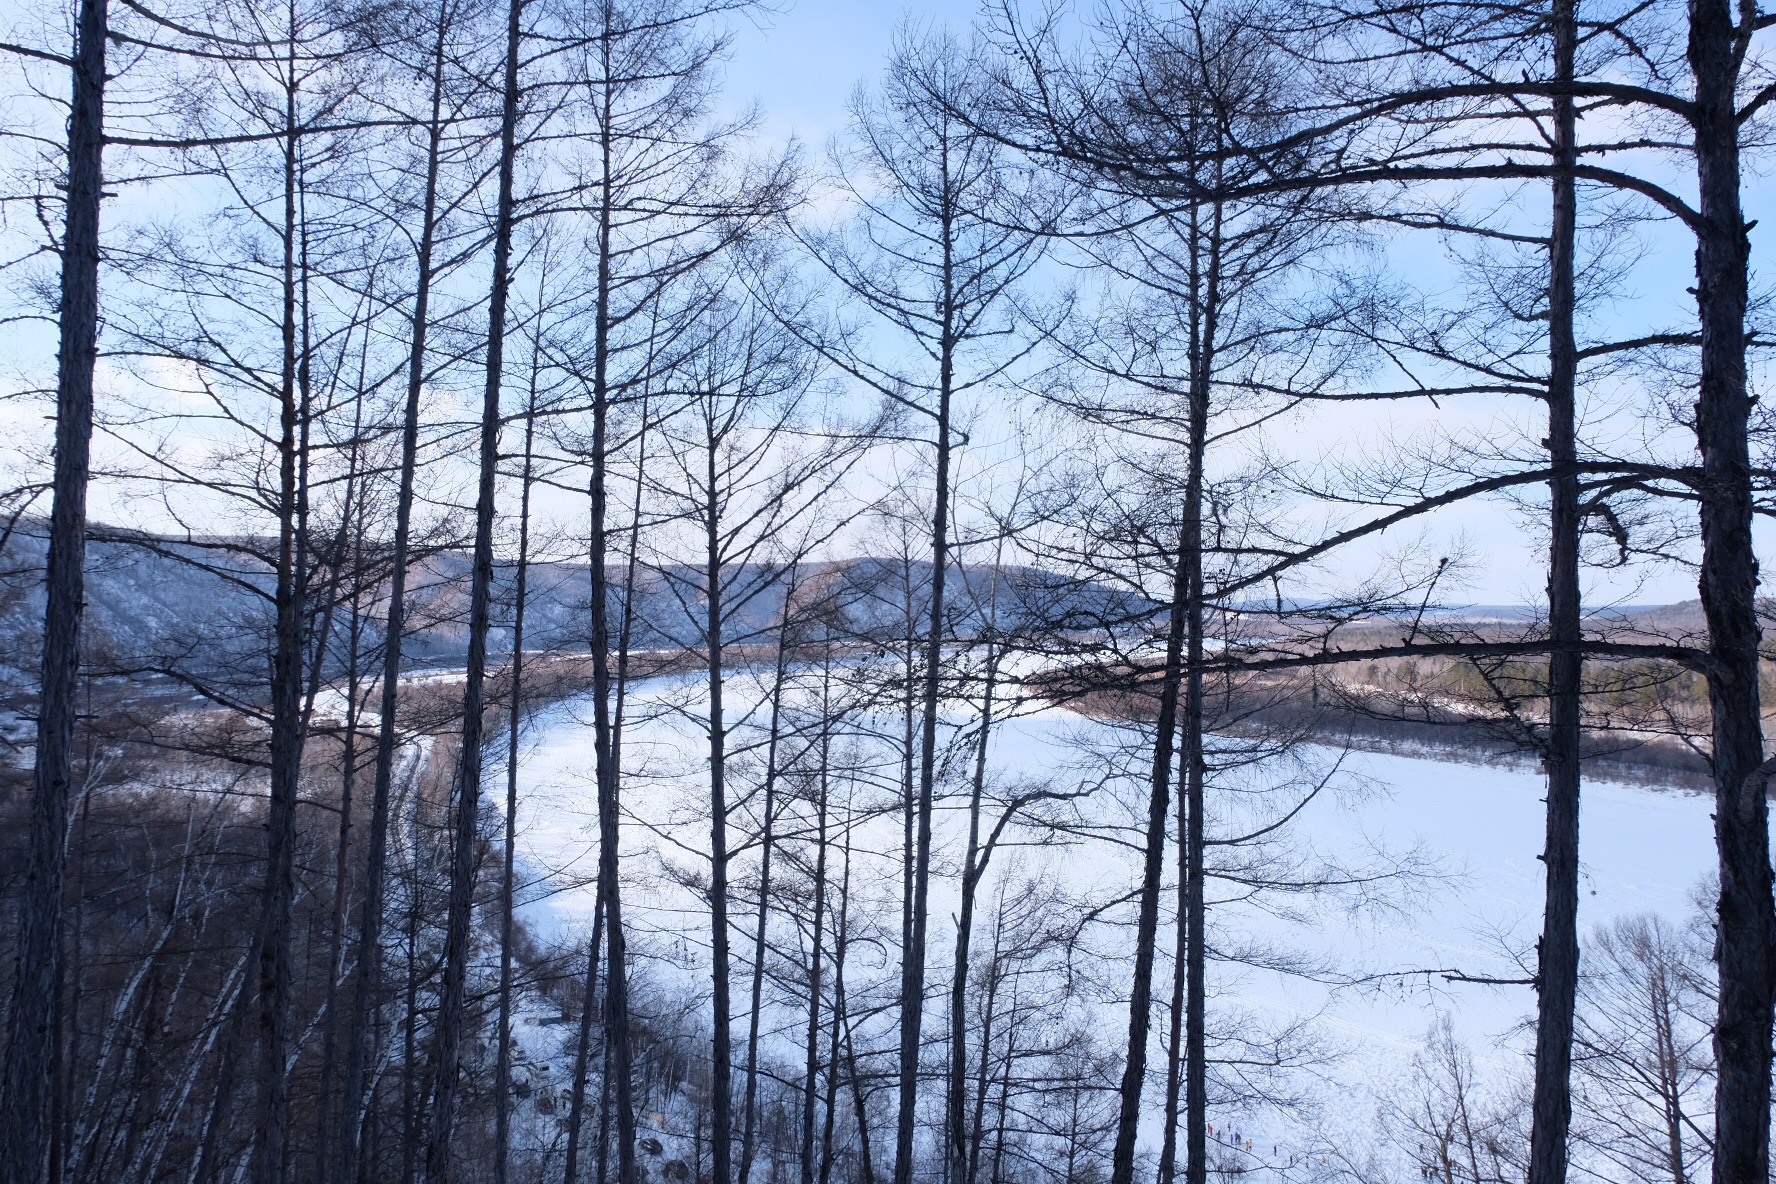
{"x":1370,"y":979}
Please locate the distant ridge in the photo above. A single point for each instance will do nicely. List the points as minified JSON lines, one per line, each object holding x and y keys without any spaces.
{"x":155,"y":602}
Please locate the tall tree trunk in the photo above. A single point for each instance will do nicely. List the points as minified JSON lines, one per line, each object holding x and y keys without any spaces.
{"x":616,"y":993}
{"x":616,"y":1002}
{"x":1134,"y":1073}
{"x":1196,"y":1090}
{"x":766,"y":843}
{"x":1168,"y":1151}
{"x":32,"y":1049}
{"x":352,"y":519}
{"x":625,"y":634}
{"x":452,"y":999}
{"x":62,"y":1117}
{"x":721,"y":1004}
{"x":1746,"y":943}
{"x":412,"y":1106}
{"x":1184,"y":625}
{"x":367,"y":971}
{"x":811,"y":1067}
{"x":286,"y":697}
{"x":973,"y":866}
{"x":1557,"y":973}
{"x":841,"y":940}
{"x":909,"y":784}
{"x":912,"y":962}
{"x":841,"y":1016}
{"x":502,"y":1077}
{"x":983,"y":1074}
{"x":348,"y":759}
{"x":576,"y":1111}
{"x":1196,"y":1064}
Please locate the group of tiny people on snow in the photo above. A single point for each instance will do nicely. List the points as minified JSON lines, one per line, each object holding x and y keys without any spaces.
{"x":1231,"y":1138}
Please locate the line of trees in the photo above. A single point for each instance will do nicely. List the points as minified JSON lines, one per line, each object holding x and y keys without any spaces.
{"x":487,"y":337}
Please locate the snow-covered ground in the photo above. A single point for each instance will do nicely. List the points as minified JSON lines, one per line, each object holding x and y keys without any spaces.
{"x":1471,"y":834}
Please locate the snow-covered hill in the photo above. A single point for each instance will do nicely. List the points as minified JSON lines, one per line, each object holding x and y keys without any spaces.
{"x":203,"y":604}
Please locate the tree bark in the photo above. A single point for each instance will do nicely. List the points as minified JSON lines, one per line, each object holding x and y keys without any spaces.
{"x":909,"y":785}
{"x":576,"y":1116}
{"x":1134,"y":1073}
{"x":912,"y":962}
{"x":841,"y":940}
{"x":1557,"y":973}
{"x":1168,"y":1152}
{"x":348,"y":759}
{"x":452,"y":998}
{"x":1205,"y":326}
{"x":973,"y":866}
{"x":983,"y":1074}
{"x":858,"y":1102}
{"x":502,"y":1077}
{"x":412,"y":1105}
{"x":618,"y":1054}
{"x":367,"y":972}
{"x":1746,"y":933}
{"x":721,"y":1004}
{"x":286,"y":697}
{"x":811,"y":1067}
{"x":1196,"y":1084}
{"x":766,"y":842}
{"x":576,"y":1111}
{"x":32,"y":1047}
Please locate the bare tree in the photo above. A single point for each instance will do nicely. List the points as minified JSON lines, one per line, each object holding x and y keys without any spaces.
{"x":468,"y":788}
{"x":1458,"y":1128}
{"x":927,"y":260}
{"x":655,"y":186}
{"x":768,"y":813}
{"x":32,"y":1045}
{"x":749,"y":470}
{"x":1643,"y":1062}
{"x":502,"y":1078}
{"x":431,"y":38}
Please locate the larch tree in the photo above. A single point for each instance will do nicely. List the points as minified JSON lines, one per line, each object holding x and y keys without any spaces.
{"x":925,"y":261}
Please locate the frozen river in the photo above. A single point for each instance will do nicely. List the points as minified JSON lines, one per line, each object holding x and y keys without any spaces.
{"x":1469,"y":834}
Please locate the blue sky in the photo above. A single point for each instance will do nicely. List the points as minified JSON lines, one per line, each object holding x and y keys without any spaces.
{"x":800,"y":62}
{"x":801,"y":59}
